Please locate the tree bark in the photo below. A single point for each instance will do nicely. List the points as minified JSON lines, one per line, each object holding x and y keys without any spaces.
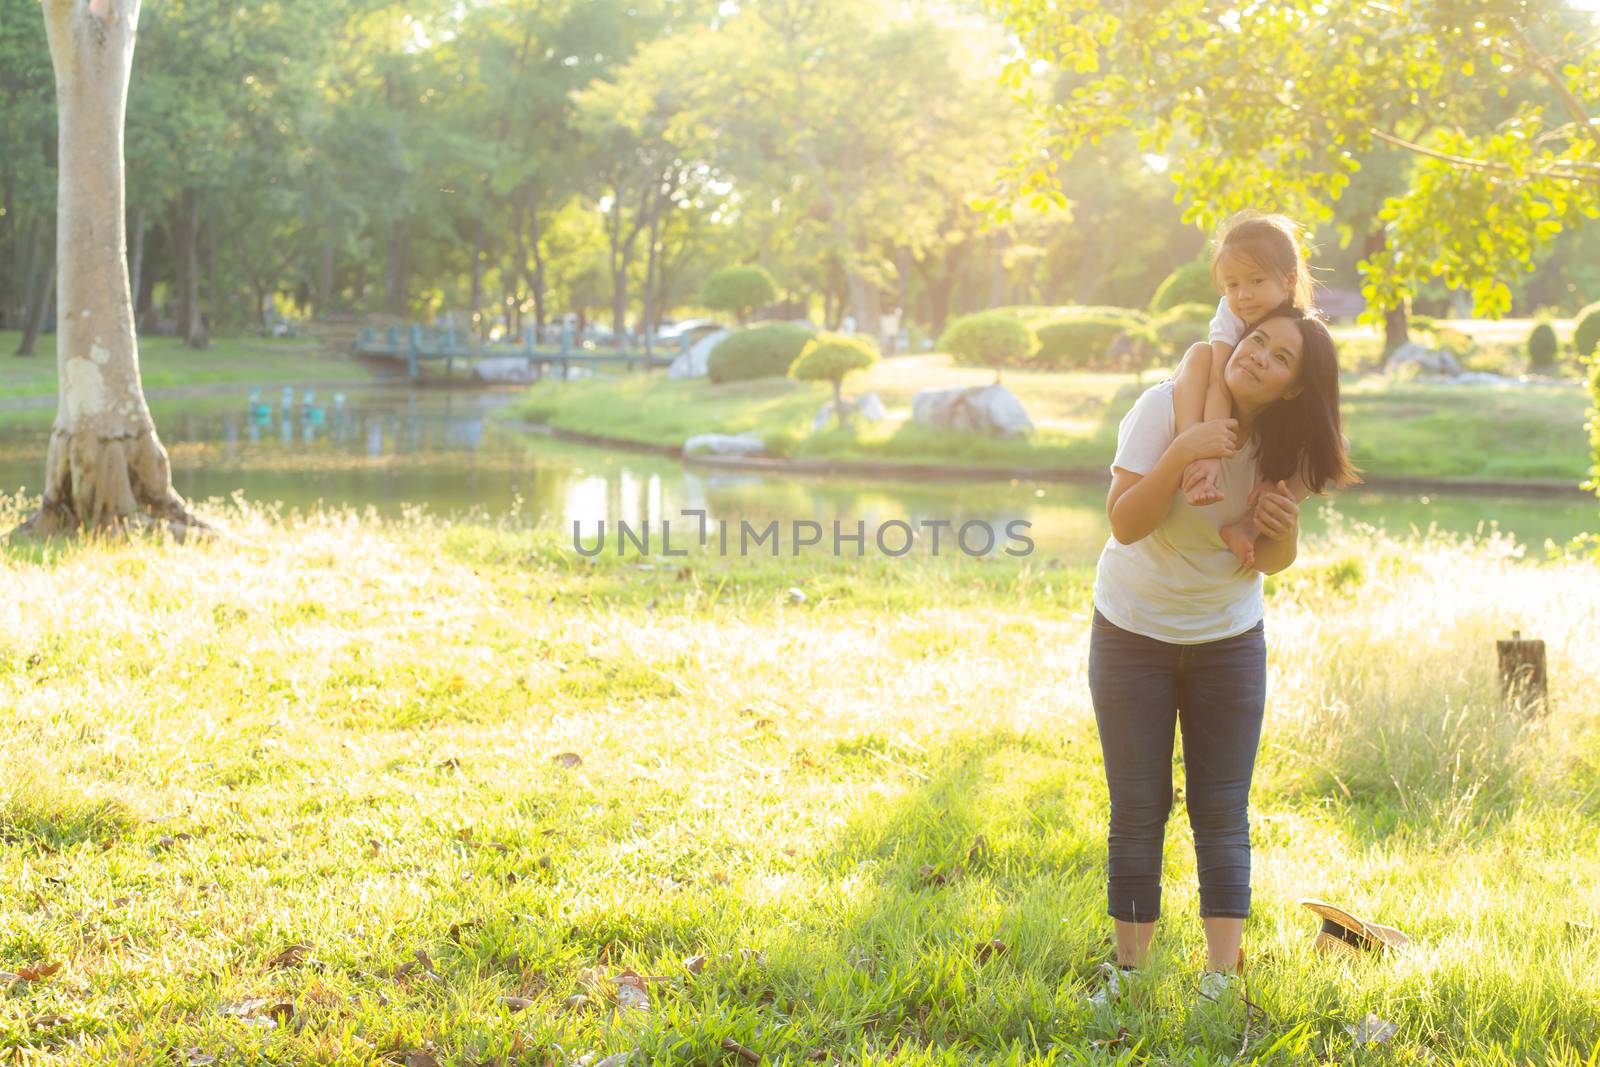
{"x":1396,"y":327}
{"x":105,"y":467}
{"x":186,"y":238}
{"x":480,"y":328}
{"x":536,"y":281}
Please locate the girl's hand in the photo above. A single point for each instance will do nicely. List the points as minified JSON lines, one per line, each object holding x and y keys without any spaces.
{"x":1276,"y":512}
{"x":1209,"y":440}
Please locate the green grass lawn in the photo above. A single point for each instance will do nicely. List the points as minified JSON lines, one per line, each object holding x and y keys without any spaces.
{"x":801,"y":820}
{"x":1396,"y":429}
{"x":164,"y":362}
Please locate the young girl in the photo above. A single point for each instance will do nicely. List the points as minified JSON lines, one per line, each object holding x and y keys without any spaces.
{"x":1258,"y":265}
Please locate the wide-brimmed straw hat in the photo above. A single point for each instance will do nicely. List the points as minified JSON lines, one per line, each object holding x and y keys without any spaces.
{"x":1343,"y":932}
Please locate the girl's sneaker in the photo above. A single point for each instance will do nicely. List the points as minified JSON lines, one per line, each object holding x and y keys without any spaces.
{"x":1114,"y":980}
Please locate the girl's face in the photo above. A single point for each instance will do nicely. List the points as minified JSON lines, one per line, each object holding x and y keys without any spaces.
{"x":1264,"y":363}
{"x":1252,"y":291}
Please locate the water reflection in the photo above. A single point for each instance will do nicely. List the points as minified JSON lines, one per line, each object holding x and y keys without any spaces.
{"x":388,"y":449}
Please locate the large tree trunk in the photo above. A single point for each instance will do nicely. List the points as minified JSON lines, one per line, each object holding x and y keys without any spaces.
{"x":479,"y":327}
{"x":105,"y":467}
{"x":1396,"y":327}
{"x":186,"y":239}
{"x":536,"y":280}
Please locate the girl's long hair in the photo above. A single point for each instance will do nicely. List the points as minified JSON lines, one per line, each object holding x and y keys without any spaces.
{"x":1304,"y":434}
{"x":1274,"y":244}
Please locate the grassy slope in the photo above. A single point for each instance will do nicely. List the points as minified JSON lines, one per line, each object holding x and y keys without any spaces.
{"x":340,"y":734}
{"x":164,"y":363}
{"x":1396,"y":430}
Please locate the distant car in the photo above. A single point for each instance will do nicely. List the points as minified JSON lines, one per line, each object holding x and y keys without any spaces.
{"x":693,"y":329}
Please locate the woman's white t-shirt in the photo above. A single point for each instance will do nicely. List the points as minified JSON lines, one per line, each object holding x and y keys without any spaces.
{"x":1179,"y":583}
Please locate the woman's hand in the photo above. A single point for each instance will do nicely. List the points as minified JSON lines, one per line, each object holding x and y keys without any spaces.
{"x":1276,"y":511}
{"x":1208,"y":440}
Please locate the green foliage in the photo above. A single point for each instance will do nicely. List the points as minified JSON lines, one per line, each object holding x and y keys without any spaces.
{"x":1542,"y":347}
{"x":991,"y":338}
{"x":738,"y":290}
{"x":1586,"y":330}
{"x":828,"y":357}
{"x":1189,"y":284}
{"x":1083,"y":343}
{"x":1178,"y":327}
{"x":1487,"y":119}
{"x":759,"y":352}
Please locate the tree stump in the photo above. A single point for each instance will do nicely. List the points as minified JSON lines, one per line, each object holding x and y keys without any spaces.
{"x":1523,"y":684}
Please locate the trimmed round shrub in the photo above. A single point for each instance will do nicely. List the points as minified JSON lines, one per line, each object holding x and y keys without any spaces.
{"x":1189,"y":284}
{"x":1081,"y":343}
{"x":738,"y":290}
{"x":765,"y":351}
{"x":1542,"y":347}
{"x":828,"y":357}
{"x":1586,"y":334}
{"x":1175,"y":329}
{"x":992,"y":338}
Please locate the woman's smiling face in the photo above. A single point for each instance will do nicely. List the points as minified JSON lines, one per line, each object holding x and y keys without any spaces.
{"x":1263,"y":365}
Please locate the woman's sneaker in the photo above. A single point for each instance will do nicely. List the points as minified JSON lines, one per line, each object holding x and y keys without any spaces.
{"x":1219,"y":987}
{"x":1114,"y":980}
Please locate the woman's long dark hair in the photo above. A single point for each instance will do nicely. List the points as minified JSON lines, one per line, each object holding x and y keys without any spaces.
{"x":1304,"y":434}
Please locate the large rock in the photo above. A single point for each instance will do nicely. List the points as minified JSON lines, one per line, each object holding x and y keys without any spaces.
{"x":692,"y":364}
{"x":990,"y":409}
{"x":1428,"y":360}
{"x":867,"y":408}
{"x":725,"y":444}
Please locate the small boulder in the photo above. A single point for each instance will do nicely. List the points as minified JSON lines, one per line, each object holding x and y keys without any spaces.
{"x":1428,"y":360}
{"x":868,"y":408}
{"x":724,"y":444}
{"x":989,"y":409}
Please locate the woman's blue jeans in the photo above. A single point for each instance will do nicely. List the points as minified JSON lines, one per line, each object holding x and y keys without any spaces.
{"x":1215,"y":693}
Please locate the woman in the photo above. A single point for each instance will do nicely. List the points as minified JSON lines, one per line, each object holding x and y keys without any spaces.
{"x":1178,"y":634}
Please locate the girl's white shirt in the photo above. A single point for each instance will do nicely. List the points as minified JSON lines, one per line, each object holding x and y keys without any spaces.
{"x":1225,"y":325}
{"x":1179,"y":583}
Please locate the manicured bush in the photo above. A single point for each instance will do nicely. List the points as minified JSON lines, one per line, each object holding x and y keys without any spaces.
{"x":991,"y":338}
{"x":1586,"y":331}
{"x":1189,"y":284}
{"x":1542,"y":347}
{"x":738,"y":290}
{"x":1036,"y":315}
{"x":828,"y":357}
{"x":1081,"y":343}
{"x":1175,"y":329}
{"x":759,"y":352}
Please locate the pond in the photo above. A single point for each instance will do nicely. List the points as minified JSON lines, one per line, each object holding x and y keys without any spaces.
{"x":389,"y":448}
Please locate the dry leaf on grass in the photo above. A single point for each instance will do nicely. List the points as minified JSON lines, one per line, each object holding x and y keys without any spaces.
{"x":291,"y":956}
{"x":33,"y":972}
{"x":631,"y":992}
{"x":567,"y":759}
{"x":516,"y":1003}
{"x":988,"y":949}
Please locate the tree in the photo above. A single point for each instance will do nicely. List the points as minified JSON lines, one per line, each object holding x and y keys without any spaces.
{"x":738,"y":291}
{"x":1490,"y":103}
{"x":828,"y":357}
{"x":992,"y":337}
{"x":105,"y":466}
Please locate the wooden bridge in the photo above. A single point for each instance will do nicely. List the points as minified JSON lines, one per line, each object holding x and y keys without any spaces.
{"x":419,"y":344}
